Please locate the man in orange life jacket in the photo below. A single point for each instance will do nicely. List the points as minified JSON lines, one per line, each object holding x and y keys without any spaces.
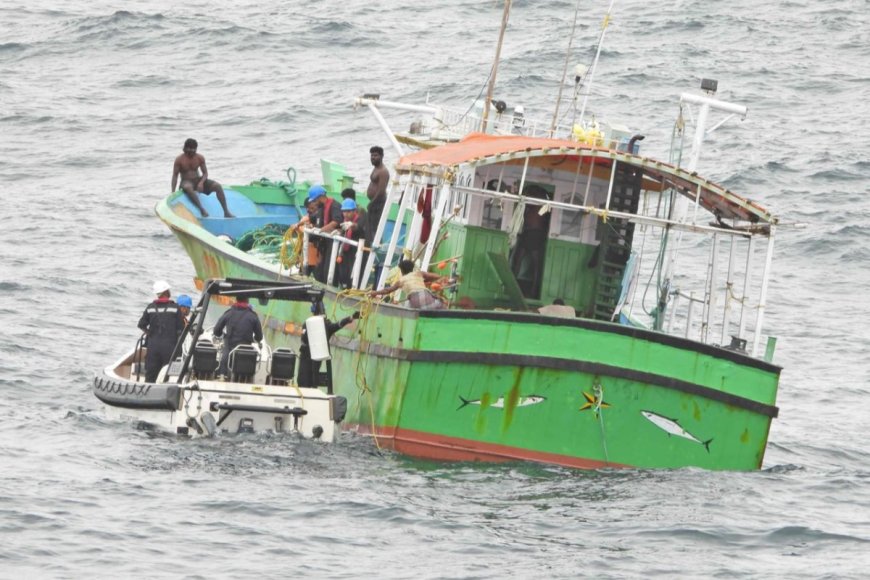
{"x":162,"y":323}
{"x":327,"y":218}
{"x":353,"y":228}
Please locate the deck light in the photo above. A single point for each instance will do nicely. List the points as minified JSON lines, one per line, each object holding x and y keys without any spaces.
{"x":709,"y":85}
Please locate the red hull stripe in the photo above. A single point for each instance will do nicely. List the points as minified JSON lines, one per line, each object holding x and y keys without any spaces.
{"x":444,"y":448}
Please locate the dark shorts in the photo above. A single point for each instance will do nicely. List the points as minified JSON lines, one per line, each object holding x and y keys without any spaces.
{"x":208,"y":187}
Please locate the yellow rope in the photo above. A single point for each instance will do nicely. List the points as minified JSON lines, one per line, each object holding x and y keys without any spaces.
{"x":367,"y":308}
{"x":293,"y":238}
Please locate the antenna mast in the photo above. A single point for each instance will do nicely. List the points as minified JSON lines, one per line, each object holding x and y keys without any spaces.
{"x":564,"y":72}
{"x":491,"y":88}
{"x":595,"y":62}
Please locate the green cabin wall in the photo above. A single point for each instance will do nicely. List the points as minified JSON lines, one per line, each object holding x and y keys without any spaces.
{"x":566,"y":273}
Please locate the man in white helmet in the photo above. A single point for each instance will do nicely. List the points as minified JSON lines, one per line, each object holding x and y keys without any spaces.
{"x":162,"y":322}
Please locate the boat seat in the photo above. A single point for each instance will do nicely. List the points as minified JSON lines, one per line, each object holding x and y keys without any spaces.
{"x":283,"y":366}
{"x":243,"y":363}
{"x":205,"y":360}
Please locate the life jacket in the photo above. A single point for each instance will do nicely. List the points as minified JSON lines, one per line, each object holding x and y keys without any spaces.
{"x":327,"y":209}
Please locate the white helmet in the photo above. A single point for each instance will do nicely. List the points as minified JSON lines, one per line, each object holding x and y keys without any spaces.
{"x":160,"y":287}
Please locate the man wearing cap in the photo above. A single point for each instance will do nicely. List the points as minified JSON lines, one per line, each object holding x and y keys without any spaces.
{"x":242,"y":326}
{"x":327,"y":218}
{"x":162,"y":324}
{"x":353,"y":228}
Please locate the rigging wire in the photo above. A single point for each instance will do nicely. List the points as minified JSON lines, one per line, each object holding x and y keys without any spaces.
{"x":471,"y":106}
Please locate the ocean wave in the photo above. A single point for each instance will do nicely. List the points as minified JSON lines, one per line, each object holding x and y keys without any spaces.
{"x":7,"y":48}
{"x":119,"y":19}
{"x":790,"y":534}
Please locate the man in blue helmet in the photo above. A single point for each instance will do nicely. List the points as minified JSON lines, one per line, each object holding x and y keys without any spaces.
{"x":327,"y":218}
{"x":353,"y":226}
{"x":184,"y":305}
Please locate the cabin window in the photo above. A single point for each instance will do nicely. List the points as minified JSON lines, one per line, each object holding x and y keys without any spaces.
{"x":570,"y":224}
{"x":492,"y":214}
{"x":493,"y":209}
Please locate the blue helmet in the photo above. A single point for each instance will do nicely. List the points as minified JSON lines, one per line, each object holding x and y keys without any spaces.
{"x":315,"y":192}
{"x":348,"y":205}
{"x":184,"y":300}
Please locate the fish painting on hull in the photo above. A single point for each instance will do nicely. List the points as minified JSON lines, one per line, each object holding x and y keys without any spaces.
{"x":672,"y":427}
{"x":499,"y":403}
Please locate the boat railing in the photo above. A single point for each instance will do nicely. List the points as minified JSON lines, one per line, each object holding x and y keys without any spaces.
{"x":336,"y":240}
{"x":448,"y":124}
{"x":604,"y":212}
{"x":458,"y":124}
{"x":722,"y":293}
{"x":693,"y":315}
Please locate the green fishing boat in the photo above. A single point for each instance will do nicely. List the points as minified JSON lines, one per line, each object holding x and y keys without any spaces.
{"x":604,"y":309}
{"x":504,"y":374}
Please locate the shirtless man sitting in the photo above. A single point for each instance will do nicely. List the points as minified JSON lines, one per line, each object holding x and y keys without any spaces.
{"x":188,"y":165}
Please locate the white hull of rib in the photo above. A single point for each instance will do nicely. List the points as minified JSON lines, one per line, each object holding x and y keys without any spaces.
{"x":212,"y":407}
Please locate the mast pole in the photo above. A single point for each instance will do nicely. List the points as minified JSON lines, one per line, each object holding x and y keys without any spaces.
{"x":491,"y":87}
{"x":564,"y":72}
{"x":604,"y":26}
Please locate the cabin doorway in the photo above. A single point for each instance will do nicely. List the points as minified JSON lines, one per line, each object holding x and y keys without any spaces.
{"x":527,"y":257}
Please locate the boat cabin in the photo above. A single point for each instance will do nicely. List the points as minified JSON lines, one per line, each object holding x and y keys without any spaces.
{"x":528,"y":222}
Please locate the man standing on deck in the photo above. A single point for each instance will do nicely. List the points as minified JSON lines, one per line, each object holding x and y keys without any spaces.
{"x":376,"y":192}
{"x":363,"y":219}
{"x":308,"y":369}
{"x":327,"y":219}
{"x":185,"y":303}
{"x":353,"y":228}
{"x":162,"y":324}
{"x":188,"y":165}
{"x":242,"y":326}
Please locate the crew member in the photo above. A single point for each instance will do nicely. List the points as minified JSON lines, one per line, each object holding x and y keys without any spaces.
{"x":353,"y":228}
{"x":184,"y":306}
{"x":308,"y":369}
{"x":162,"y":324}
{"x":242,"y":327}
{"x":328,"y":218}
{"x":413,"y":283}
